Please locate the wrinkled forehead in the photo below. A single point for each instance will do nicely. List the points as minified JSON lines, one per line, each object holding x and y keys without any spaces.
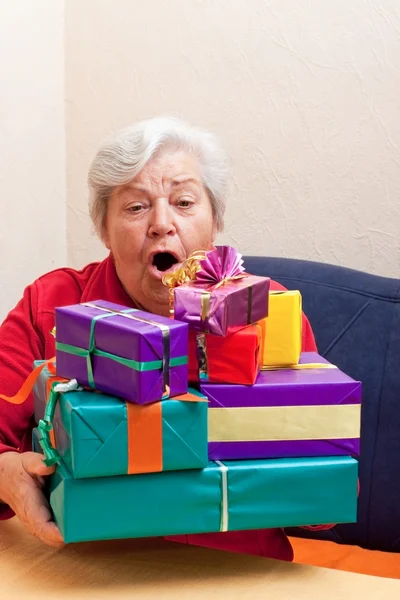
{"x":170,"y":167}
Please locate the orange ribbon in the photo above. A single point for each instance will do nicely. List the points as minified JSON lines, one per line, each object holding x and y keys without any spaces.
{"x":144,"y":438}
{"x":145,"y":445}
{"x":49,"y":383}
{"x":25,"y":390}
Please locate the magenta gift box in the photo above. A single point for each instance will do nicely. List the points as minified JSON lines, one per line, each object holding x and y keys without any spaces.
{"x":218,"y":297}
{"x":296,"y":412}
{"x":225,"y":309}
{"x":129,"y":353}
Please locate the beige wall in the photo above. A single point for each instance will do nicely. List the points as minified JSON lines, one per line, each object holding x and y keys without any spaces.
{"x":305,"y":96}
{"x":32,"y":144}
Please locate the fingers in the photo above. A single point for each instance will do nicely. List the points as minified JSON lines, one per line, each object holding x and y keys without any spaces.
{"x":35,"y":514}
{"x":23,"y":477}
{"x":34,"y":465}
{"x":50,"y":535}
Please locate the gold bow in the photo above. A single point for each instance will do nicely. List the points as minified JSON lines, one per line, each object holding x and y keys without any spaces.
{"x":186,"y":272}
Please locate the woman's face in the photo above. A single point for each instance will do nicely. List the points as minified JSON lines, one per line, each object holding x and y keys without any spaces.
{"x":154,"y":223}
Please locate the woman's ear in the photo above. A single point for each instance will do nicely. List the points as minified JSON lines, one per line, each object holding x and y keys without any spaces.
{"x":105,"y":238}
{"x":214,"y":231}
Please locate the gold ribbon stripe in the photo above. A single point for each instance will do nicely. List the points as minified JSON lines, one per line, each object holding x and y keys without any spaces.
{"x":252,"y":424}
{"x":299,"y":367}
{"x":205,"y":305}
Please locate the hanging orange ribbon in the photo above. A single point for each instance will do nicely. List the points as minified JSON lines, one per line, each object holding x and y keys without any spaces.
{"x":49,"y":384}
{"x":26,"y":389}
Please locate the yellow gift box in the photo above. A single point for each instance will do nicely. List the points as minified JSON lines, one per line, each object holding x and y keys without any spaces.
{"x":281,"y":330}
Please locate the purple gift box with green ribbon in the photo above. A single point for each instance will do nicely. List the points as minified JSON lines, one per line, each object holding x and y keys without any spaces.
{"x":129,"y":353}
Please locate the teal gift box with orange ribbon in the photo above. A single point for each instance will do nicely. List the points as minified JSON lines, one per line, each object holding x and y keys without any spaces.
{"x":224,"y":496}
{"x":129,"y":353}
{"x":97,"y":435}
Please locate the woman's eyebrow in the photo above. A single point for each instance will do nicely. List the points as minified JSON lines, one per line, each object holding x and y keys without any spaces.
{"x":136,"y":186}
{"x":174,"y":183}
{"x":179,"y":180}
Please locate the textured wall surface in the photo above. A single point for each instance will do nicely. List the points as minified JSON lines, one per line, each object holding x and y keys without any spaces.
{"x":305,"y":96}
{"x":32,"y":144}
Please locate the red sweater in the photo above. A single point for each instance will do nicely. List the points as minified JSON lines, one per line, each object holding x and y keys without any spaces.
{"x":25,"y":336}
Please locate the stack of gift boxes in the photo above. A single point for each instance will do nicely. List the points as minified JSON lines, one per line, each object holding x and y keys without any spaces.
{"x":262,"y":436}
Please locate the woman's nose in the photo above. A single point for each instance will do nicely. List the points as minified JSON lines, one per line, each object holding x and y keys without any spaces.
{"x":161,"y":221}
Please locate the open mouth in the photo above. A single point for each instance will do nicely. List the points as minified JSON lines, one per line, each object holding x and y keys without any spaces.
{"x":163,"y":261}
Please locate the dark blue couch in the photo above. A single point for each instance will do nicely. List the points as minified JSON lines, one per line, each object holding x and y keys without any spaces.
{"x":356,"y":320}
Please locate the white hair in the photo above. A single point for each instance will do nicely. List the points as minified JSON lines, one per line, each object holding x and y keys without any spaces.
{"x":123,"y":156}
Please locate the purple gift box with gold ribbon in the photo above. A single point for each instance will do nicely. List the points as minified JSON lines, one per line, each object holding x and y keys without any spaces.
{"x":312,"y":409}
{"x":125,"y":352}
{"x":221,"y":298}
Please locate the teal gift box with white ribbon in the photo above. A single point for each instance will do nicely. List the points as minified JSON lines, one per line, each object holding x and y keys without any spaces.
{"x":234,"y":495}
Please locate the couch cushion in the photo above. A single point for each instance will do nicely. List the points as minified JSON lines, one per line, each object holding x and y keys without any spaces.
{"x":356,"y":320}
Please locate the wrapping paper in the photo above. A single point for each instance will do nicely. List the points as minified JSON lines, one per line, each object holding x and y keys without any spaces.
{"x":98,"y":435}
{"x":281,"y":330}
{"x":230,"y":359}
{"x":223,"y":496}
{"x":230,"y":307}
{"x":128,"y":353}
{"x":221,"y":298}
{"x":286,"y":413}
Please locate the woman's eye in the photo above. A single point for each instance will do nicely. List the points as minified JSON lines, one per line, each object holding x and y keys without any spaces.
{"x":135,"y":208}
{"x":183,"y":203}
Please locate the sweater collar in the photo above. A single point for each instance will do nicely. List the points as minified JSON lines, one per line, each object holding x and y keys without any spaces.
{"x":105,"y":285}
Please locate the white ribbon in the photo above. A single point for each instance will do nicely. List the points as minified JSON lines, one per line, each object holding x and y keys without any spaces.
{"x":224,"y":496}
{"x":69,"y":386}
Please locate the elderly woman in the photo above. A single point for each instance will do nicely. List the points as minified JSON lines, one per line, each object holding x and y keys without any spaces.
{"x":158,"y":192}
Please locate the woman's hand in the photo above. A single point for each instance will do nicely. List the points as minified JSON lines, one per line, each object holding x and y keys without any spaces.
{"x":21,"y":482}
